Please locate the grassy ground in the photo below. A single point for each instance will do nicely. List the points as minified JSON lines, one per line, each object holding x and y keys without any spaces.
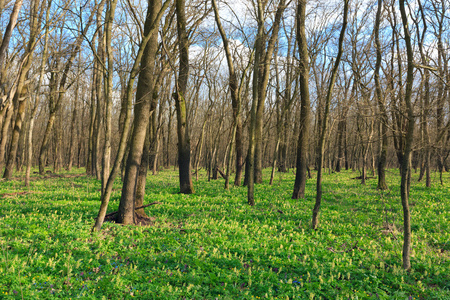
{"x":212,"y":245}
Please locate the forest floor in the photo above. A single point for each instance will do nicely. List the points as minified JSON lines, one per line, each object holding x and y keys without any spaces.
{"x":212,"y":245}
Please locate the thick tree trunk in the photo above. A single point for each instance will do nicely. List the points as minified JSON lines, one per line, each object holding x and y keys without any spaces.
{"x":303,"y":139}
{"x":21,"y":147}
{"x":151,"y":29}
{"x":29,"y":151}
{"x":142,"y":177}
{"x":184,"y":144}
{"x":144,"y":96}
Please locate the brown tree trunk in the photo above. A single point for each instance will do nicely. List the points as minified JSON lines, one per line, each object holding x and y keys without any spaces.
{"x":8,"y":31}
{"x":108,"y":73}
{"x":382,"y":185}
{"x":19,"y":100}
{"x":406,"y":160}
{"x":425,"y":97}
{"x":184,"y":144}
{"x":316,"y":210}
{"x":73,"y":131}
{"x":303,"y":139}
{"x":91,"y":157}
{"x":142,"y":177}
{"x":151,"y":29}
{"x":235,"y":99}
{"x":263,"y":80}
{"x":21,"y":105}
{"x":144,"y":95}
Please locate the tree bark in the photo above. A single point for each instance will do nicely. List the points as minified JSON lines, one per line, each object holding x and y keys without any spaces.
{"x":406,"y":157}
{"x":382,"y":156}
{"x":235,"y":99}
{"x":8,"y":31}
{"x":151,"y":29}
{"x":58,"y":94}
{"x":315,"y":215}
{"x":263,"y":80}
{"x":184,"y":144}
{"x":303,"y":139}
{"x":144,"y":95}
{"x":108,"y":73}
{"x":5,"y":129}
{"x":19,"y":100}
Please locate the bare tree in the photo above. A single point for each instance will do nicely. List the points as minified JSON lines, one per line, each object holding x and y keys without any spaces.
{"x":303,"y":139}
{"x":315,"y":216}
{"x":143,"y":57}
{"x":9,"y":29}
{"x":406,"y":160}
{"x":19,"y":100}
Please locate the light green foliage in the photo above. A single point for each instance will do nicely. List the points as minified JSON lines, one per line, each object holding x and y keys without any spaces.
{"x":214,"y":245}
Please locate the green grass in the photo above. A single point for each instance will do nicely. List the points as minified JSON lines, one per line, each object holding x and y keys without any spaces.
{"x":213,"y":245}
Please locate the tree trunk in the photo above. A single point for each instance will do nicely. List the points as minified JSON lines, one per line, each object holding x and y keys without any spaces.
{"x":21,"y":105}
{"x":406,"y":161}
{"x":303,"y":138}
{"x":151,"y":29}
{"x":8,"y":31}
{"x":144,"y":95}
{"x":19,"y":100}
{"x":5,"y":129}
{"x":382,"y":185}
{"x":142,"y":177}
{"x":263,"y":80}
{"x":184,"y":144}
{"x":315,"y":216}
{"x":235,"y":99}
{"x":108,"y":91}
{"x":73,"y":130}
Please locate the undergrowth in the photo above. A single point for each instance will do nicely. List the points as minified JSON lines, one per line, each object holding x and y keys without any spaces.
{"x":212,"y":245}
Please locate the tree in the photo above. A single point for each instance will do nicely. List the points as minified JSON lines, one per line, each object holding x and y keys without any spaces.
{"x":150,"y":30}
{"x":264,"y":49}
{"x":382,"y":185}
{"x":19,"y":100}
{"x":235,"y":92}
{"x":315,"y":216}
{"x":303,"y":139}
{"x":406,"y":157}
{"x":184,"y":143}
{"x":144,"y":95}
{"x":108,"y":82}
{"x":9,"y":29}
{"x":37,"y":95}
{"x":58,"y":88}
